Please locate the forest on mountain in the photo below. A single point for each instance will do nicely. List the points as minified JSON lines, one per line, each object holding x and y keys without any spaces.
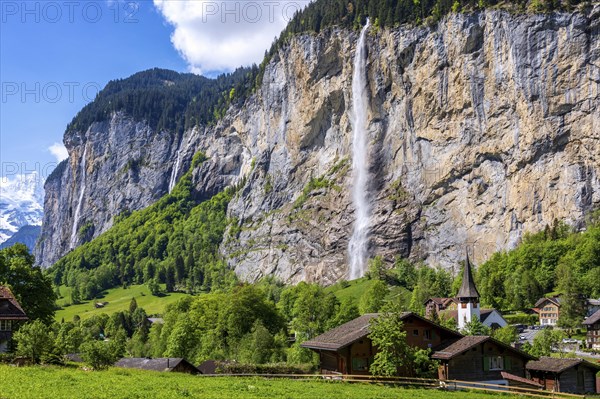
{"x":168,"y":100}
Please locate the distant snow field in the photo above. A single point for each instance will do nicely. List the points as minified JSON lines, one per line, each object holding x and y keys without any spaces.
{"x":21,"y":203}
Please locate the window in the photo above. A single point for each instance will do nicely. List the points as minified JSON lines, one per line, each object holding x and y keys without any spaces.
{"x":463,"y":305}
{"x":5,"y":325}
{"x":360,"y":364}
{"x":496,"y":363}
{"x":416,"y":333}
{"x":427,"y":334}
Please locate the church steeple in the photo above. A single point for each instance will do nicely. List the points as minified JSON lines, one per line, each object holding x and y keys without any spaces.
{"x":468,"y":289}
{"x":468,"y":297}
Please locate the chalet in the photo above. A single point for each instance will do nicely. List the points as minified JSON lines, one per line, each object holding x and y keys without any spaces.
{"x":168,"y":364}
{"x":347,"y":349}
{"x":11,"y":314}
{"x":437,"y":305}
{"x":481,"y":359}
{"x":465,"y":307}
{"x":592,"y":338}
{"x":591,"y":306}
{"x":564,"y":375}
{"x":548,"y":310}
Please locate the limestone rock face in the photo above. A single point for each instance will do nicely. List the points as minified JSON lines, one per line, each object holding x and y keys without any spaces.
{"x":481,"y":128}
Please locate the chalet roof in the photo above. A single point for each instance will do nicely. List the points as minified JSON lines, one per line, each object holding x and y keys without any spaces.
{"x":555,"y":365}
{"x":467,"y":288}
{"x":554,"y":300}
{"x":343,"y":335}
{"x":440,"y":301}
{"x":10,"y":309}
{"x":159,"y":364}
{"x":516,"y":378}
{"x":593,"y":302}
{"x":455,"y":348}
{"x":593,"y":319}
{"x":354,"y":330}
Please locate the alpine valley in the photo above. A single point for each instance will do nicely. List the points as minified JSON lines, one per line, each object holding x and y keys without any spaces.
{"x":480,"y":126}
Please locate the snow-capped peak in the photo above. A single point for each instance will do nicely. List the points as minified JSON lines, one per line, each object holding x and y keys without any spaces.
{"x":21,"y":203}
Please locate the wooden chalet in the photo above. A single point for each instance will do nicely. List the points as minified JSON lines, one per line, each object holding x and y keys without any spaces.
{"x":481,"y":359}
{"x":437,"y":305}
{"x":564,"y":375}
{"x":548,"y":310}
{"x":592,"y":338}
{"x":347,"y":349}
{"x":11,"y":314}
{"x":169,"y":364}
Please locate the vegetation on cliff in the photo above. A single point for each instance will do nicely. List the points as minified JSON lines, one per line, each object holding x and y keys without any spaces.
{"x":174,"y":242}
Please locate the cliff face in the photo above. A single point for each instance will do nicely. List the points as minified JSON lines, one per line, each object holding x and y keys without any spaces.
{"x":482,"y":128}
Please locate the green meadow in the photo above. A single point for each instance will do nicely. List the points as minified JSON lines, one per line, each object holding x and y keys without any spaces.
{"x":69,"y":382}
{"x":118,"y":300}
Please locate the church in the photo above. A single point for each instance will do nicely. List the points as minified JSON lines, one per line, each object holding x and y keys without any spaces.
{"x":465,"y":307}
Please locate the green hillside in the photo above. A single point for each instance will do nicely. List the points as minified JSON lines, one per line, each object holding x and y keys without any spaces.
{"x":118,"y":300}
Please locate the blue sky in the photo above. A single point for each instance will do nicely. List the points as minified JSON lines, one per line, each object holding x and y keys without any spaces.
{"x":55,"y":55}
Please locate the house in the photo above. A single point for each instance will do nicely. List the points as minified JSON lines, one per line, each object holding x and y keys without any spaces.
{"x":481,"y":359}
{"x":592,"y":338}
{"x":564,"y":375}
{"x":548,"y":310}
{"x":437,"y":305}
{"x":168,"y":364}
{"x":347,"y":349}
{"x":11,"y":314}
{"x":465,"y":307}
{"x":591,"y":306}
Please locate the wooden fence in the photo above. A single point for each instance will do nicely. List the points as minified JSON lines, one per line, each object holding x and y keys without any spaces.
{"x":429,"y":383}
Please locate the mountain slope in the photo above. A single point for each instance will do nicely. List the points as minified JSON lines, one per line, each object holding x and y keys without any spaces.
{"x":480,"y":129}
{"x":27,"y":235}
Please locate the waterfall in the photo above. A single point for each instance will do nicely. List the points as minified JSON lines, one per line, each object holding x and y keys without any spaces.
{"x":79,"y":200}
{"x":175,"y":170}
{"x":358,"y":245}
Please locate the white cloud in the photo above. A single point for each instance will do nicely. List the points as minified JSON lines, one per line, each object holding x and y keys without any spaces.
{"x":214,"y":36}
{"x":59,"y":151}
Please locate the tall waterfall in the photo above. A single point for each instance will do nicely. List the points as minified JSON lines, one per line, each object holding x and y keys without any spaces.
{"x":358,"y":245}
{"x":175,"y":170}
{"x":79,"y":200}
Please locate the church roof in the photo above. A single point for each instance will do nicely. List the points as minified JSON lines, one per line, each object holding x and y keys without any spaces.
{"x":467,"y":289}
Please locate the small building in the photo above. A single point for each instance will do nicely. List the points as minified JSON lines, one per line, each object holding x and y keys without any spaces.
{"x":437,"y":305}
{"x":564,"y":375}
{"x":347,"y":349}
{"x":481,"y":359}
{"x":169,"y":364}
{"x":548,"y":310}
{"x":591,"y":306}
{"x":465,"y":307}
{"x":11,"y":314}
{"x":592,"y":338}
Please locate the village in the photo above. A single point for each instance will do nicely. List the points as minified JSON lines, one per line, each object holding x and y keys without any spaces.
{"x":348,"y":350}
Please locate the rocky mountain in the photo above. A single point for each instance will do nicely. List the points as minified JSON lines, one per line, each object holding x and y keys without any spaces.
{"x":21,"y":203}
{"x":480,"y":128}
{"x":27,"y":235}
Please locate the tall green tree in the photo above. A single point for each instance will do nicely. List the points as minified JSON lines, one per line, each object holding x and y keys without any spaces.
{"x":30,"y":285}
{"x":34,"y":340}
{"x":389,"y":337}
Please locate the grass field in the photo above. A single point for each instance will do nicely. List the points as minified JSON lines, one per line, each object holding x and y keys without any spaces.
{"x":57,"y":383}
{"x":357,"y":288}
{"x":118,"y":299}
